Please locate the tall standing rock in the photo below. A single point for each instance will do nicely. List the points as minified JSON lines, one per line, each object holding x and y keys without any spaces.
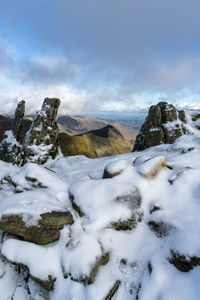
{"x":10,"y":148}
{"x":19,"y":115}
{"x":41,"y":141}
{"x":163,"y":125}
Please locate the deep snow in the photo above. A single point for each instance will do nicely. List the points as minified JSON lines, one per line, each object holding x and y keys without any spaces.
{"x":138,"y":257}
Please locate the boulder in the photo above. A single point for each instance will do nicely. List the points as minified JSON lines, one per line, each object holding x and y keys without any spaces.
{"x":163,"y":125}
{"x":101,"y":261}
{"x":115,"y":168}
{"x":150,"y":167}
{"x":46,"y":231}
{"x":41,"y":141}
{"x":132,"y":200}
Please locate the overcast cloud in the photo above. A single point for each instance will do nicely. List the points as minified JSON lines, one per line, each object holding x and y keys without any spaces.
{"x":99,"y":55}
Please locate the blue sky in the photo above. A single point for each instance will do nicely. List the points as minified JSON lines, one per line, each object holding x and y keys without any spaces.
{"x":106,"y":55}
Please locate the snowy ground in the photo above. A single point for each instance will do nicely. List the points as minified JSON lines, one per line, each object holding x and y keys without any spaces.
{"x":138,"y":258}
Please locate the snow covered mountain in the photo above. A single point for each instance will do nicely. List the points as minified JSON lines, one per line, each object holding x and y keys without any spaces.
{"x":120,"y":227}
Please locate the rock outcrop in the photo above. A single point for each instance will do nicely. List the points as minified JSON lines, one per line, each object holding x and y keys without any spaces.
{"x":10,"y":149}
{"x":41,"y":140}
{"x":18,"y":121}
{"x":45,"y":232}
{"x":163,"y":125}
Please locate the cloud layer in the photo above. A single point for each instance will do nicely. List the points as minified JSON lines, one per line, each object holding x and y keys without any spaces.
{"x":99,"y":55}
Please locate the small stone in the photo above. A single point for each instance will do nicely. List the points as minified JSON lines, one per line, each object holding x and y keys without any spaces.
{"x":182,"y":262}
{"x":161,"y":229}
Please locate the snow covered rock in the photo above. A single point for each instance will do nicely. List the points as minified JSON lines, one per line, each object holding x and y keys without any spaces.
{"x":42,"y":138}
{"x":44,"y":232}
{"x":115,"y":168}
{"x":163,"y":125}
{"x":35,"y":216}
{"x":196,"y":119}
{"x":150,"y":167}
{"x":132,"y":199}
{"x":10,"y":149}
{"x":18,"y":121}
{"x":183,"y":263}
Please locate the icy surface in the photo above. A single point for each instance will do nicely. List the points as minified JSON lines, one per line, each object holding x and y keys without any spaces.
{"x":138,"y":258}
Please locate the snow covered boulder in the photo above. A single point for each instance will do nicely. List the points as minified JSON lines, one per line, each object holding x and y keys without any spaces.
{"x":150,"y":167}
{"x":163,"y":125}
{"x":115,"y":168}
{"x":160,"y":228}
{"x":35,"y":216}
{"x":131,"y":199}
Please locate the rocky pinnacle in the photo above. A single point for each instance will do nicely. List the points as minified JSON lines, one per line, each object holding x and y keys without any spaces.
{"x":41,"y":139}
{"x":19,"y":114}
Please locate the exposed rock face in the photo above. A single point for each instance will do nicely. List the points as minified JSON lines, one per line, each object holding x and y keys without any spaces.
{"x":163,"y":125}
{"x":41,"y":140}
{"x":45,"y":232}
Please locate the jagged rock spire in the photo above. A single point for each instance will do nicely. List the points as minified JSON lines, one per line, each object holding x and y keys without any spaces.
{"x":10,"y":148}
{"x":163,"y":125}
{"x":19,"y":114}
{"x":41,"y":140}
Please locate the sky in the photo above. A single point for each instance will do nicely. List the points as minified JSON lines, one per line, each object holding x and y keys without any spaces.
{"x":99,"y":55}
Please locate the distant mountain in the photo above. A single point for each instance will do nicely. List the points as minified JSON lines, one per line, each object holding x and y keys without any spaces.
{"x":97,"y":143}
{"x":83,"y":124}
{"x":76,"y":125}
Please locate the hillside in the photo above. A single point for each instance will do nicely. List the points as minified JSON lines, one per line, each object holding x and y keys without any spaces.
{"x":92,"y":144}
{"x":119,"y":227}
{"x":97,"y":143}
{"x":76,"y":125}
{"x":82,"y":124}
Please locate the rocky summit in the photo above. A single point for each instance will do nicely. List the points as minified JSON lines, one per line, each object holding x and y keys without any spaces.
{"x":163,"y":125}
